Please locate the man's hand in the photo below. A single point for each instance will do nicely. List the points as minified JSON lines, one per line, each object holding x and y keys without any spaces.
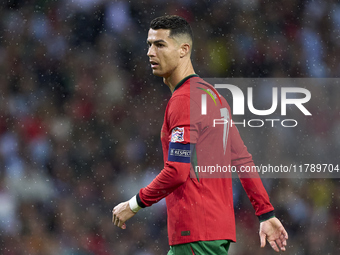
{"x":122,"y":213}
{"x":275,"y":233}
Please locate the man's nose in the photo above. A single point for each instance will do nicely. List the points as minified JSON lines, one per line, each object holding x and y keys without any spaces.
{"x":151,"y":51}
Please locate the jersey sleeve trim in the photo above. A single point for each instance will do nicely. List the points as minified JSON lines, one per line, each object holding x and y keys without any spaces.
{"x":139,"y":201}
{"x":266,"y":216}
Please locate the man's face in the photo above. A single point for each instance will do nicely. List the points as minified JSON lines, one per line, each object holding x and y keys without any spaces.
{"x":163,"y":53}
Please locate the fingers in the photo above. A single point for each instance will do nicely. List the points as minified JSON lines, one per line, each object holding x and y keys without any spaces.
{"x":280,"y":244}
{"x":274,"y":246}
{"x":283,"y":239}
{"x":285,"y":234}
{"x":263,"y":240}
{"x":116,"y":221}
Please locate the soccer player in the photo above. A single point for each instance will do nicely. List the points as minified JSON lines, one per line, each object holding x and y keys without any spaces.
{"x":200,"y":210}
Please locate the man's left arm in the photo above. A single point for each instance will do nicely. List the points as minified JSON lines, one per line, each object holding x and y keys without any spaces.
{"x":271,"y":228}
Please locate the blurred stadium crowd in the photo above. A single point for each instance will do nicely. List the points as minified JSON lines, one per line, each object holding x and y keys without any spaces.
{"x":81,"y":113}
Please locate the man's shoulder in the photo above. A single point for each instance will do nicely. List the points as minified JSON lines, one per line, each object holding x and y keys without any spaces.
{"x":190,"y":86}
{"x":190,"y":91}
{"x":194,"y":81}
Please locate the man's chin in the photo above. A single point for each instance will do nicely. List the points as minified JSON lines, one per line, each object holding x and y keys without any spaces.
{"x":157,"y":73}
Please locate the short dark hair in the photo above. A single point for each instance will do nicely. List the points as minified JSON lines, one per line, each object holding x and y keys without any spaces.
{"x":176,"y":24}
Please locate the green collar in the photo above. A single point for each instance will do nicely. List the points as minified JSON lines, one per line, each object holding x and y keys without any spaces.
{"x":184,"y":80}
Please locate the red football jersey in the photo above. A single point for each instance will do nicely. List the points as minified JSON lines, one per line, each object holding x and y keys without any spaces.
{"x":200,"y":204}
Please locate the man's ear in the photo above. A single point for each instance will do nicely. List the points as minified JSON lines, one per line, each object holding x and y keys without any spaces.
{"x":184,"y":50}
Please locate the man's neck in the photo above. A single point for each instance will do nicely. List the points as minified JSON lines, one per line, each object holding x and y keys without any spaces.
{"x":179,"y":74}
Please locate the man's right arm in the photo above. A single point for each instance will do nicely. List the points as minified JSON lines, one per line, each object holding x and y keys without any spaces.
{"x":169,"y":179}
{"x":176,"y":168}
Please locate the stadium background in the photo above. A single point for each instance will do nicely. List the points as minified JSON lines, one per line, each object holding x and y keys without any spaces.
{"x":80,"y":116}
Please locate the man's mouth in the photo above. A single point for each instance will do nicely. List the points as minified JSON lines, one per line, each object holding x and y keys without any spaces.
{"x":153,"y":64}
